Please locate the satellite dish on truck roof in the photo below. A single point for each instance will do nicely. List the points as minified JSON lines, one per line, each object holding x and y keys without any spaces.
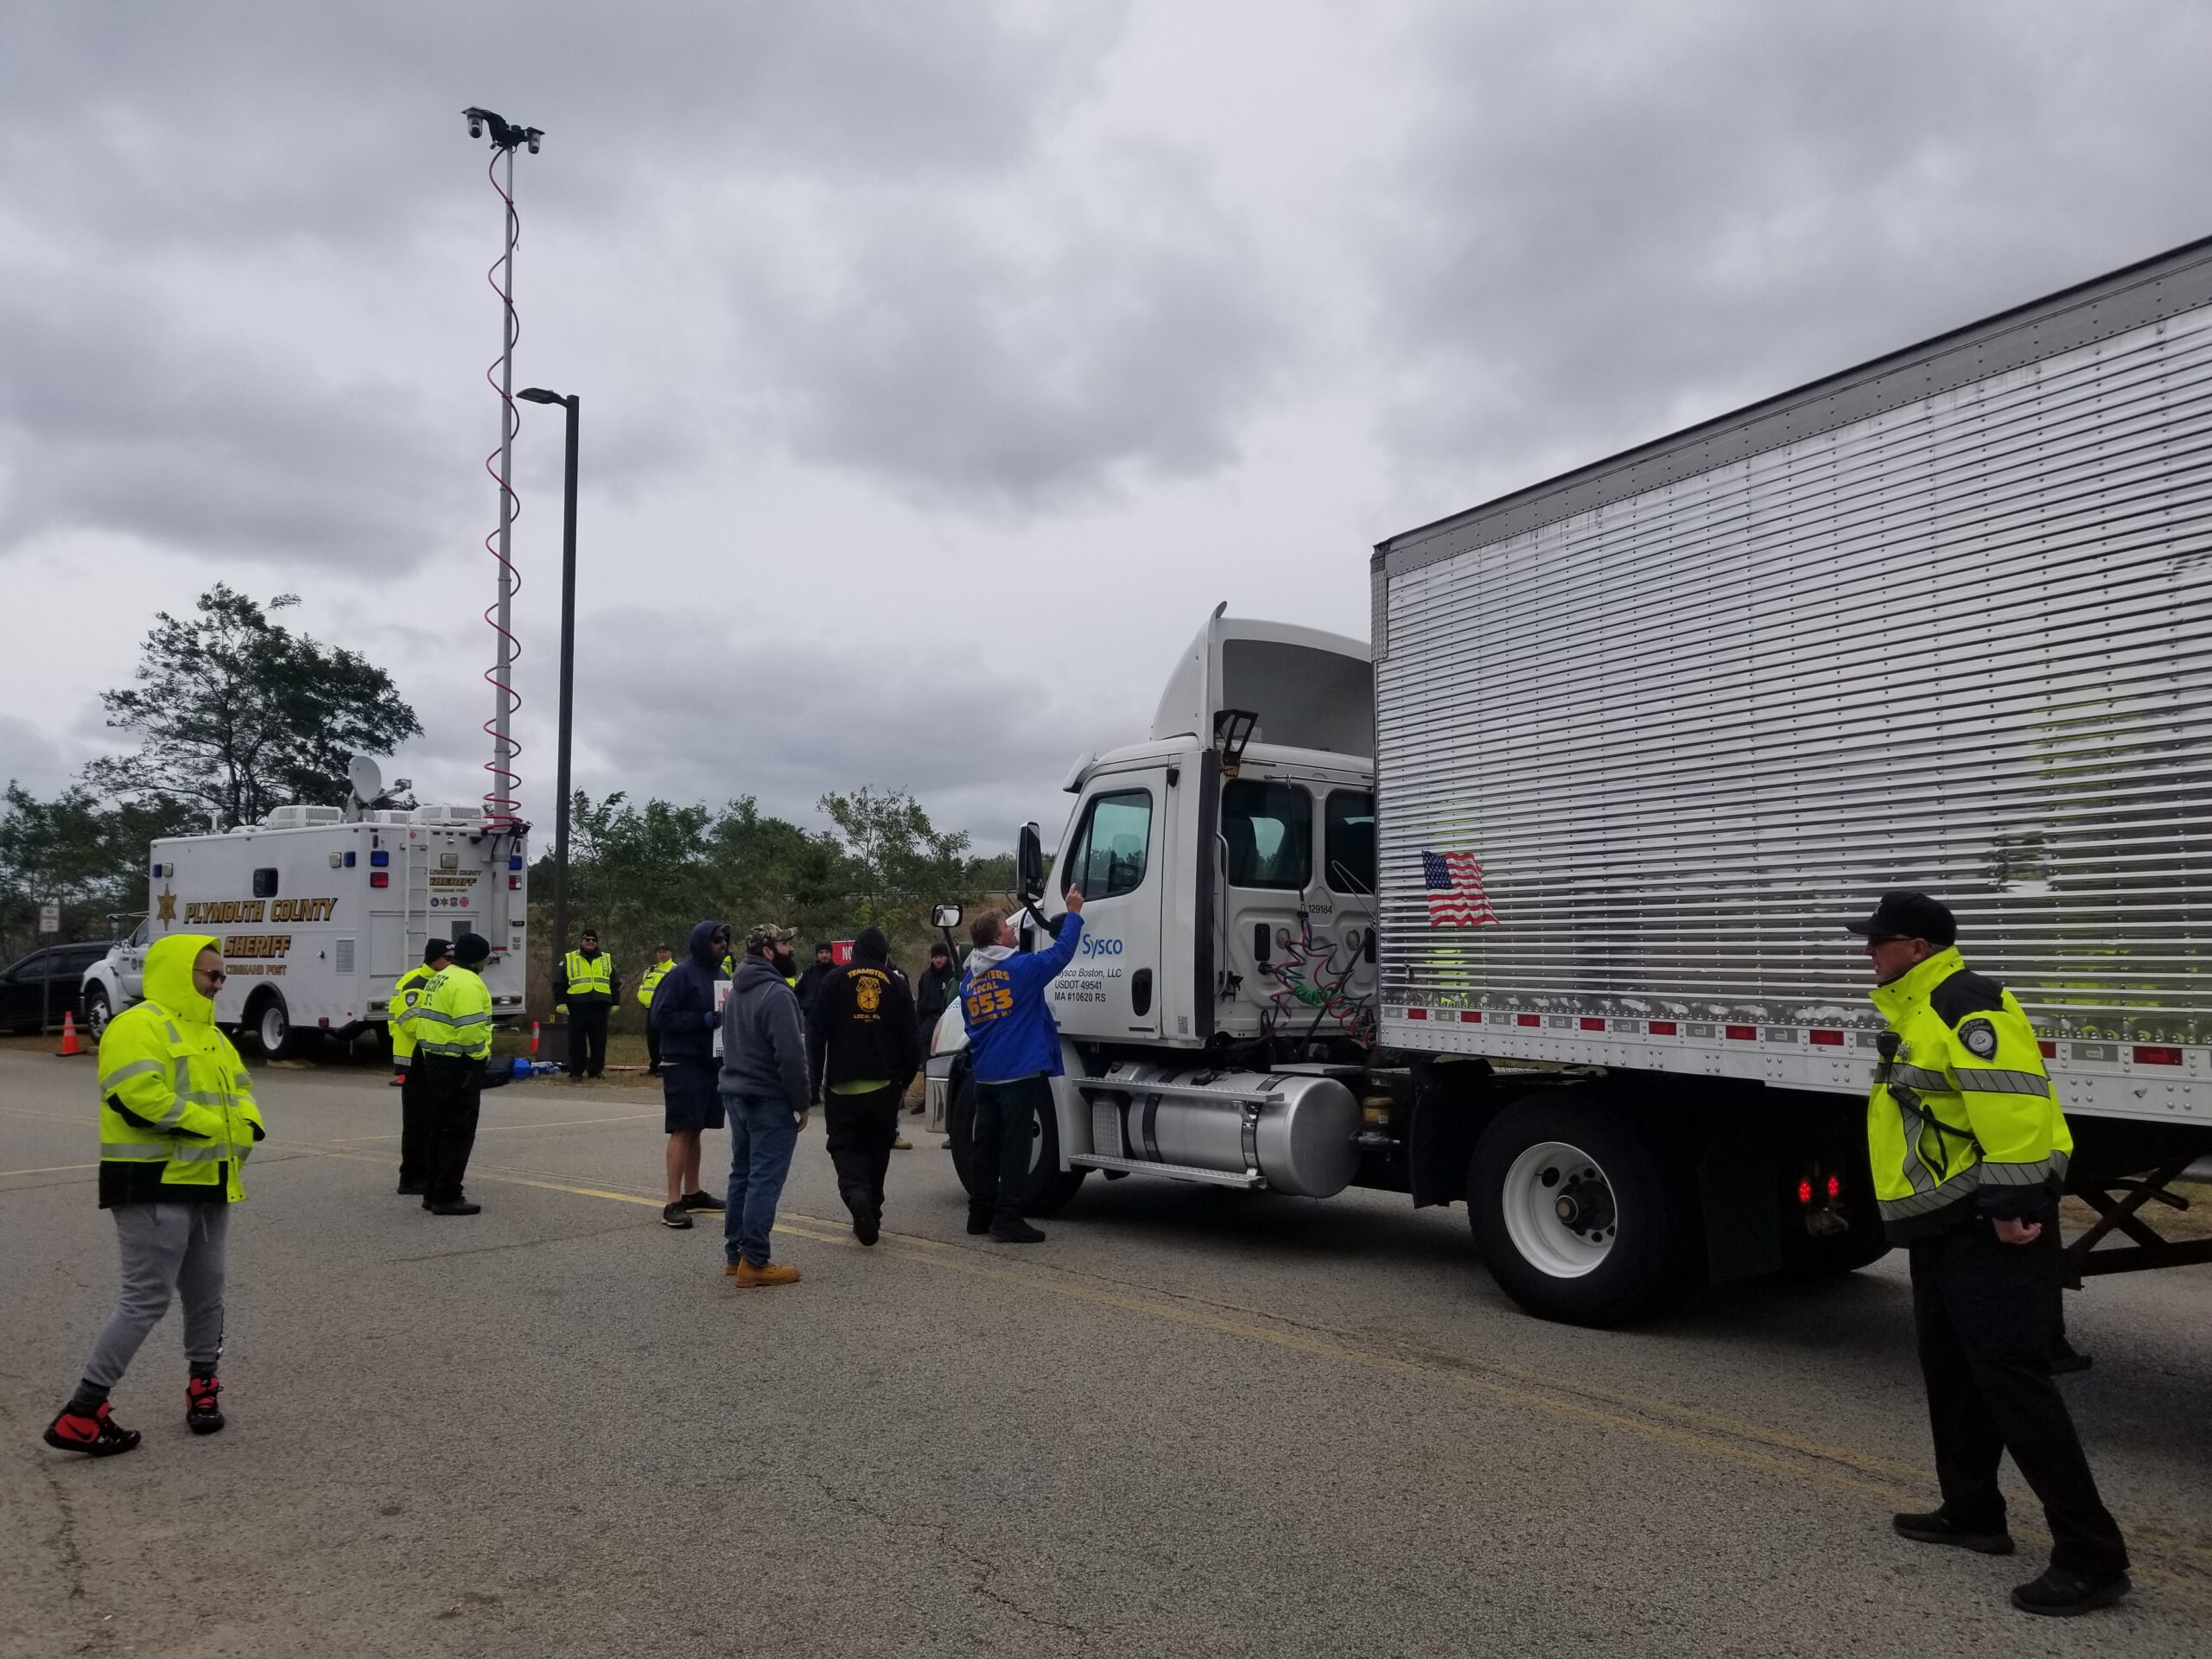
{"x":365,"y":778}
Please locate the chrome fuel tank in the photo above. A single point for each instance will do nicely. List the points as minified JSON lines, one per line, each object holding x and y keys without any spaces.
{"x":1297,"y":1132}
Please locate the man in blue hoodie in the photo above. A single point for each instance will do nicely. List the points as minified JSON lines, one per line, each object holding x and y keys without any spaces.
{"x":764,"y":1085}
{"x":1016,"y":1053}
{"x":684,"y":1017}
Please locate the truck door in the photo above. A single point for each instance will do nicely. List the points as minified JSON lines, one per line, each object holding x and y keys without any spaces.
{"x":1111,"y":991}
{"x":1267,"y":834}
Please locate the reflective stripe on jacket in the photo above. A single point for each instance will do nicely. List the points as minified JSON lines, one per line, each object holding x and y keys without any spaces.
{"x":588,"y":976}
{"x":173,"y":1090}
{"x":405,"y":994}
{"x":1962,"y":1112}
{"x":454,"y":1018}
{"x":649,"y":982}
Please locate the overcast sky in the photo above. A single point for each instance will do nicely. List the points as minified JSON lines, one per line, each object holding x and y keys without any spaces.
{"x":943,"y":364}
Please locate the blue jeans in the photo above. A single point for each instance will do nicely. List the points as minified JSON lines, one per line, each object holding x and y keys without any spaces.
{"x":763,"y":1135}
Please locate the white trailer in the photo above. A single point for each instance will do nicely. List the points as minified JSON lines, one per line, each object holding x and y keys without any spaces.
{"x":1539,"y":903}
{"x":320,"y":912}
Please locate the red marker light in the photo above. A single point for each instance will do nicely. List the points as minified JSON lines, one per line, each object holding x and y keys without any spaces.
{"x":1804,"y":1192}
{"x":1416,"y":1013}
{"x":1662,"y":1027}
{"x":1471,"y":1016}
{"x":1591,"y":1022}
{"x":1528,"y":1019}
{"x":2050,"y":1049}
{"x":2155,"y":1055}
{"x":1824,"y":1039}
{"x":1743,"y":1034}
{"x":1835,"y":1186}
{"x":379,"y":878}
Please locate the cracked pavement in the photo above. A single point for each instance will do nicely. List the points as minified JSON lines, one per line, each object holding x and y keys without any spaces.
{"x":1194,"y":1421}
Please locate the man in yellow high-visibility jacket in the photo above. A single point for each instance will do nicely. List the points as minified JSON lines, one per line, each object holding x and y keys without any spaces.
{"x":452,"y":1046}
{"x":1969,"y":1148}
{"x":648,"y":982}
{"x":587,"y":983}
{"x":414,"y":1119}
{"x":177,"y":1119}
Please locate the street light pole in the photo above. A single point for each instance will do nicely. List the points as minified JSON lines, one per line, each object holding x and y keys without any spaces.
{"x":574,"y":408}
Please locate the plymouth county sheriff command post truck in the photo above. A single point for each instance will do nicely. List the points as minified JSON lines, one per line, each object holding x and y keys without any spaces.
{"x":320,"y":909}
{"x":1538,"y":904}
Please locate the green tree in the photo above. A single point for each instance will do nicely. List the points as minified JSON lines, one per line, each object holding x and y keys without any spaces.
{"x":235,"y":714}
{"x":902,"y":863}
{"x":87,"y":853}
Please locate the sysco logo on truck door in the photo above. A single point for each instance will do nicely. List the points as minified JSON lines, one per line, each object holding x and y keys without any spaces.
{"x":1095,"y":946}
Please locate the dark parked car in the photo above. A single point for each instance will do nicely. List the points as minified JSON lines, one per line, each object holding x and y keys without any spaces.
{"x":52,"y":974}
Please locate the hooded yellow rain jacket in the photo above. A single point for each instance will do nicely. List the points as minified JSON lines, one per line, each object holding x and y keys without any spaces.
{"x":177,"y":1116}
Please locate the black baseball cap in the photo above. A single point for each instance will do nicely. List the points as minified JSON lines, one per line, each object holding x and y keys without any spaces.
{"x":1908,"y":916}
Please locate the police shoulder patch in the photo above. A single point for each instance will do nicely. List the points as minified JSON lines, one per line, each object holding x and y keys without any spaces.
{"x":1980,"y":1037}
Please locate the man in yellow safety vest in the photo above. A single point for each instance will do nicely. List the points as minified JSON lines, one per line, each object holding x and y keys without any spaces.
{"x":587,"y":982}
{"x":452,"y":1046}
{"x":648,"y":982}
{"x":414,"y":1123}
{"x":1969,"y":1148}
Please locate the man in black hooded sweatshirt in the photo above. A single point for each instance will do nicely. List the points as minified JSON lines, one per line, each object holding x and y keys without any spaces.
{"x":863,"y":1050}
{"x":685,"y":1019}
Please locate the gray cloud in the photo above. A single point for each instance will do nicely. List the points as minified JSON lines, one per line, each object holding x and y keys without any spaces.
{"x":981,"y":746}
{"x":29,"y":757}
{"x":1608,"y":224}
{"x":118,"y":415}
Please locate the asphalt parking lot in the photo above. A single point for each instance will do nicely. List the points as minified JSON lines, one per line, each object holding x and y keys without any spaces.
{"x":1194,"y":1421}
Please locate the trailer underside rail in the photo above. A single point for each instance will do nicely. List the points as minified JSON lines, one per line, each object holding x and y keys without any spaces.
{"x":2119,"y":1204}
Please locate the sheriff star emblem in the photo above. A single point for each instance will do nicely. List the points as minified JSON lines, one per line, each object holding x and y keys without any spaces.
{"x":165,"y":906}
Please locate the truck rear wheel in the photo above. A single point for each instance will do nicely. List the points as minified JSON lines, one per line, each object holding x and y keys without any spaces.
{"x":1577,"y":1217}
{"x":1049,"y":1186}
{"x":270,"y":1022}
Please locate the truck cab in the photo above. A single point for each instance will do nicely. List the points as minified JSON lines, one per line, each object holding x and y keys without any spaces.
{"x":1227,"y":862}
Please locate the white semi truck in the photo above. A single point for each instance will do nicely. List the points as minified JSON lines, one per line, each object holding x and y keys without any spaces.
{"x":320,"y":908}
{"x":1538,"y":903}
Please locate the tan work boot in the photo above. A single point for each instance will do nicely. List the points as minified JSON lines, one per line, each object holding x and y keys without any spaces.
{"x":768,"y":1272}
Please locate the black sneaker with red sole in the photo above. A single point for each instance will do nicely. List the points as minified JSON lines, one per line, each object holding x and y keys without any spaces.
{"x":202,"y":1415}
{"x":96,"y":1436}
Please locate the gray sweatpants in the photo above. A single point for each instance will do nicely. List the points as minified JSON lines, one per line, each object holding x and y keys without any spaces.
{"x":167,"y":1249}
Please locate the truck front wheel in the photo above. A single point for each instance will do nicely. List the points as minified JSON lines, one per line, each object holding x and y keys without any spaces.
{"x":1576,"y":1216}
{"x":1049,"y":1186}
{"x":97,"y":1012}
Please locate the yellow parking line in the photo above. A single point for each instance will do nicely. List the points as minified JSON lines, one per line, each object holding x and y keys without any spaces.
{"x":45,"y":1169}
{"x":550,"y":1123}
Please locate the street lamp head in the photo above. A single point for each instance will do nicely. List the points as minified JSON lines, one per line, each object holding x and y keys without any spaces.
{"x":539,"y":395}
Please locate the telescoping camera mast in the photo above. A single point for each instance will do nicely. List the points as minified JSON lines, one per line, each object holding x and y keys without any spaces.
{"x":502,"y":807}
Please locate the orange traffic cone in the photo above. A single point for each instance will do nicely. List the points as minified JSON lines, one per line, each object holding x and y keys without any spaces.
{"x":533,"y":1036}
{"x":69,"y":1043}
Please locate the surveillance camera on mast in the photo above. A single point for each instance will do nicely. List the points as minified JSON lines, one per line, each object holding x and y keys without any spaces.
{"x":504,"y":134}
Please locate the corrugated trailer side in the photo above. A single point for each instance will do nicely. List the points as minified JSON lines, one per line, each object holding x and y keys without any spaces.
{"x":1938,"y":621}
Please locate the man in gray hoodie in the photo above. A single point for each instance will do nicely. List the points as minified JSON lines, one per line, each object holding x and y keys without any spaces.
{"x":764,"y":1086}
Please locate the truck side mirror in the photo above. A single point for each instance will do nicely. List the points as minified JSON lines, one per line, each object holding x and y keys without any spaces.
{"x":1029,"y":865}
{"x":945,"y":916}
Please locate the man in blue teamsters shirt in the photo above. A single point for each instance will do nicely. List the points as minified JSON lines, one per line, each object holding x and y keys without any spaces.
{"x":1015,"y":1051}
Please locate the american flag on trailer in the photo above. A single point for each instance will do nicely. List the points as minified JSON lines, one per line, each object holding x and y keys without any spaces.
{"x":1456,"y":898}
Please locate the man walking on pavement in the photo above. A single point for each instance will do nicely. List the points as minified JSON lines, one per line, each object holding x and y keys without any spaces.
{"x":764,"y":1088}
{"x":452,"y":1046}
{"x":1969,"y":1148}
{"x":938,"y":985}
{"x":809,"y":982}
{"x":685,"y":1021}
{"x":414,"y":1117}
{"x":862,"y":1054}
{"x":1015,"y":1050}
{"x":177,"y":1119}
{"x":648,"y":982}
{"x":586,"y":982}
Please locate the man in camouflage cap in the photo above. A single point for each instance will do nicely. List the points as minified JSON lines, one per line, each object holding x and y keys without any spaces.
{"x":766,"y":1089}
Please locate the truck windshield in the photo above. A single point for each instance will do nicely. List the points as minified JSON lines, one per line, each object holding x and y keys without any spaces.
{"x":1269,"y":830}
